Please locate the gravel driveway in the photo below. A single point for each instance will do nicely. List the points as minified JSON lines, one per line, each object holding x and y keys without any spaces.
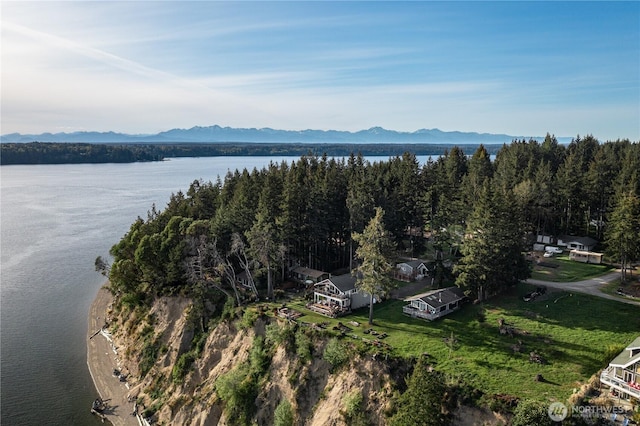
{"x":590,"y":286}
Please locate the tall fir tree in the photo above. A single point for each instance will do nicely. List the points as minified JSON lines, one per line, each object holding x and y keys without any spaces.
{"x":493,"y":258}
{"x":623,"y":231}
{"x":374,"y":251}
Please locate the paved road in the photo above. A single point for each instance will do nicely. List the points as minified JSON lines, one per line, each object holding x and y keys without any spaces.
{"x":590,"y":286}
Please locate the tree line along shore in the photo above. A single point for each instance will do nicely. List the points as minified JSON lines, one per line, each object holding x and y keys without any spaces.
{"x":69,"y":153}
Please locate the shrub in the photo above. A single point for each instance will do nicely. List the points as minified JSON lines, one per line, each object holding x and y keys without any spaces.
{"x":150,"y":411}
{"x":148,"y":355}
{"x":131,"y":300}
{"x":258,"y":357}
{"x":277,"y":334}
{"x":503,"y":404}
{"x":352,"y":409}
{"x":283,"y":416}
{"x":303,"y":346}
{"x":529,"y":413}
{"x":198,"y":342}
{"x":228,"y":310}
{"x":248,"y":318}
{"x":238,"y":391}
{"x":182,"y":366}
{"x":335,"y":353}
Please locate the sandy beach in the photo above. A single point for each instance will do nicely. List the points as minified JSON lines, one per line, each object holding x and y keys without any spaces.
{"x":102,"y":360}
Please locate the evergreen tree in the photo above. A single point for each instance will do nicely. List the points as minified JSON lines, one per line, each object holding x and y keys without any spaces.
{"x":423,"y":403}
{"x":623,"y":231}
{"x":493,"y":248}
{"x":480,"y":170}
{"x":360,"y":203}
{"x":374,"y":249}
{"x":265,"y":248}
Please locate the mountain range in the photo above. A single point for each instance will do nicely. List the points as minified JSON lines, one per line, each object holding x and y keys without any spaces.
{"x":212,"y":134}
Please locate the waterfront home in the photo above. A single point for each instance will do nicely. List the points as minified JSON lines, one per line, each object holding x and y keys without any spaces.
{"x":623,"y":373}
{"x":337,"y":296}
{"x":435,"y":303}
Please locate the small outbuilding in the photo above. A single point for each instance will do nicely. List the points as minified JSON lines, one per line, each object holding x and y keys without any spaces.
{"x":307,"y":275}
{"x":411,"y":270}
{"x":585,"y":256}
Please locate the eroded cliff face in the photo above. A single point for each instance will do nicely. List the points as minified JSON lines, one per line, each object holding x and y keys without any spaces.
{"x":317,"y":394}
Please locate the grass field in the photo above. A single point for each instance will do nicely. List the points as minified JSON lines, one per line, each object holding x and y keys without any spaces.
{"x":567,"y":270}
{"x":575,"y":334}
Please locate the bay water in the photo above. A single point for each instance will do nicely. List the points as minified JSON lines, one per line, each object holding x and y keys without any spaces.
{"x":54,"y":221}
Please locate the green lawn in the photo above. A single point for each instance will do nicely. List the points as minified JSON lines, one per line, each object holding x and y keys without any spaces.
{"x":574,"y":333}
{"x":567,"y":270}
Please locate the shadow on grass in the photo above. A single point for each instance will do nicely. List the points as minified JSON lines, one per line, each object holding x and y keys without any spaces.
{"x":571,"y":332}
{"x":560,"y":328}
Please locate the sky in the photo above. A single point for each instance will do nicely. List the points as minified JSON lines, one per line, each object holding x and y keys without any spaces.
{"x":142,"y":67}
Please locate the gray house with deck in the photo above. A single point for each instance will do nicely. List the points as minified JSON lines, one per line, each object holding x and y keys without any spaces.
{"x":434,"y":304}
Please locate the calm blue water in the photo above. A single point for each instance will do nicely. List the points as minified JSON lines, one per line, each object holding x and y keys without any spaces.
{"x":55,"y":220}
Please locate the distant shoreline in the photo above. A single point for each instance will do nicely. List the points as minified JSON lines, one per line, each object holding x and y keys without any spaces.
{"x":98,"y":153}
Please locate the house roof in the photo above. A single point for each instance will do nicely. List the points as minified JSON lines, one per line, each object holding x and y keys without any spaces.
{"x":585,"y":241}
{"x":413,"y":263}
{"x":308,"y":272}
{"x":625,"y":359}
{"x":344,"y":282}
{"x":441,"y":297}
{"x":635,"y":344}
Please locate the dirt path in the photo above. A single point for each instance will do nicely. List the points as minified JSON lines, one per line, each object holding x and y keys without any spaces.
{"x":102,"y":360}
{"x":590,"y":286}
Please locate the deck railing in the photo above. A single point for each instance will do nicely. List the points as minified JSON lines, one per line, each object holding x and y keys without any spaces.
{"x":608,"y":378}
{"x":416,"y":313}
{"x":333,"y":295}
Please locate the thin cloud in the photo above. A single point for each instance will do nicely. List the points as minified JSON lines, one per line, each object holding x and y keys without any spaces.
{"x":491,"y":67}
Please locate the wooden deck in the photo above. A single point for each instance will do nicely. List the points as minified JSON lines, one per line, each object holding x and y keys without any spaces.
{"x":416,"y":313}
{"x":327,"y":311}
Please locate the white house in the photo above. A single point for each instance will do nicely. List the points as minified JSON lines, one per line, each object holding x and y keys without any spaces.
{"x":623,"y":373}
{"x":434,"y":304}
{"x":411,"y":270}
{"x":337,"y":296}
{"x":577,"y":243}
